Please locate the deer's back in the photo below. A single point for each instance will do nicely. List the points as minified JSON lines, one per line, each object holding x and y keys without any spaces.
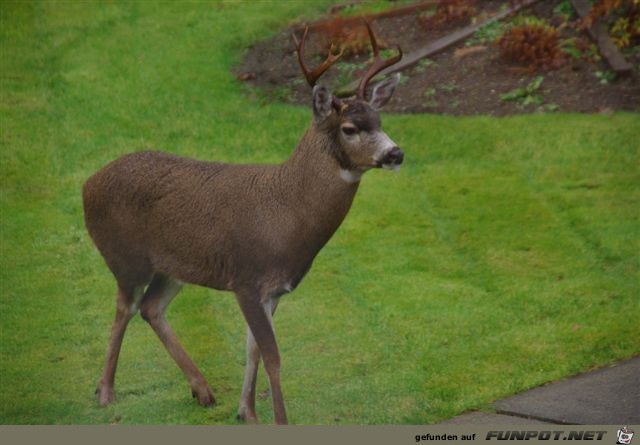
{"x":200,"y":222}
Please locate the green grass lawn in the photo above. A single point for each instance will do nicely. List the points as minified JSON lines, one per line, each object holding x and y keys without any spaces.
{"x":502,"y":256}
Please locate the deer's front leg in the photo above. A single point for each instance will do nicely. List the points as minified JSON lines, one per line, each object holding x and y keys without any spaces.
{"x":260,"y":342}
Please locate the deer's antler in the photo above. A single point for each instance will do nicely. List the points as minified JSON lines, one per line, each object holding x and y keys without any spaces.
{"x":378,"y":63}
{"x":313,"y":75}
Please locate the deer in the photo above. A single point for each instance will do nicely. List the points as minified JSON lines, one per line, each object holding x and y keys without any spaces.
{"x":161,"y":221}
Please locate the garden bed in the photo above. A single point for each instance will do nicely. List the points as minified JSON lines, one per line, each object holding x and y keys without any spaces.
{"x":470,"y":77}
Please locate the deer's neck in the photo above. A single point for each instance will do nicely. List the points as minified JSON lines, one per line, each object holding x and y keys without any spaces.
{"x":321,"y":186}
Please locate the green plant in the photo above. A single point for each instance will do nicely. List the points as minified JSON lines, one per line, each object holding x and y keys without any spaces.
{"x":528,"y":20}
{"x":487,"y":34}
{"x":403,"y":79}
{"x":423,"y":64}
{"x":430,"y":101}
{"x":605,"y":77}
{"x":620,"y":32}
{"x":429,"y":92}
{"x":388,"y":52}
{"x":580,"y":48}
{"x":346,"y":71}
{"x":570,"y":47}
{"x":564,"y":9}
{"x":449,"y":87}
{"x":280,"y":93}
{"x":492,"y":32}
{"x":525,"y":96}
{"x":592,"y":53}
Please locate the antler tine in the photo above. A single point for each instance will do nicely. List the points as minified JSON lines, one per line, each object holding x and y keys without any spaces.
{"x":313,"y":75}
{"x":378,"y":63}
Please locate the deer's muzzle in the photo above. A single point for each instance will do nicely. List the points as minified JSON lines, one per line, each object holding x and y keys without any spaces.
{"x":394,"y":157}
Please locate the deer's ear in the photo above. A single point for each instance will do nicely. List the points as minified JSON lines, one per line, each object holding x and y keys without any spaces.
{"x":322,"y":103}
{"x":383,"y":91}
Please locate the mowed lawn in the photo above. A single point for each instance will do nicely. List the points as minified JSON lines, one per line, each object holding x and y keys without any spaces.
{"x":502,"y":256}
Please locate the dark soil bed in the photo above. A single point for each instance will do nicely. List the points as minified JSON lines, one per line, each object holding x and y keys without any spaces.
{"x":457,"y":81}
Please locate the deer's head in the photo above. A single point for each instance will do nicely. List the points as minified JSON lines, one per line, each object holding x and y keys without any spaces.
{"x":354,"y":123}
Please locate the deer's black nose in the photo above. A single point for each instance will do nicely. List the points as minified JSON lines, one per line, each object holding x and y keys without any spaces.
{"x":395,"y":156}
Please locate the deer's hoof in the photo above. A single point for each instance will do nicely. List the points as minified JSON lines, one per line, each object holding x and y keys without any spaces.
{"x":106,"y":396}
{"x":247,"y":417}
{"x":204,"y":396}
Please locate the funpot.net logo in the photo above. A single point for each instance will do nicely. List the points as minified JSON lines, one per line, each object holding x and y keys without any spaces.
{"x":625,"y":434}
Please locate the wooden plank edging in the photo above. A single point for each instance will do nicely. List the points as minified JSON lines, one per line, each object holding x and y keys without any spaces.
{"x":600,"y":35}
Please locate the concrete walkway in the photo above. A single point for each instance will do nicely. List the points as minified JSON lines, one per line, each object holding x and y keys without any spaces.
{"x":605,"y":396}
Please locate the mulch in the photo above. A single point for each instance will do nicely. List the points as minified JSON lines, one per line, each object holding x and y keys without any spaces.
{"x":462,"y":80}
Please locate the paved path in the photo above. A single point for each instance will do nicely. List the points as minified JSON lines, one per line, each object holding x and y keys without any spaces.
{"x":605,"y":396}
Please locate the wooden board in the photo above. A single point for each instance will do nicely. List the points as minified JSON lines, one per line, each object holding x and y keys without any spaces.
{"x":600,"y":35}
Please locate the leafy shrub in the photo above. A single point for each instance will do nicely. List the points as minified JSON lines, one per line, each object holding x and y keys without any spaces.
{"x":535,"y":45}
{"x":625,"y":31}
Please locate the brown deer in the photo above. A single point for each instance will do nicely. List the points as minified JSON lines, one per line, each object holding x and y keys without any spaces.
{"x":161,"y":221}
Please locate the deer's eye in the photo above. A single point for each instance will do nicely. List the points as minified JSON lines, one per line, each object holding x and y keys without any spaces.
{"x":349,"y":130}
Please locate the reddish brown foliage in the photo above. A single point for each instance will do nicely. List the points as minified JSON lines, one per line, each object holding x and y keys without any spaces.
{"x":349,"y":34}
{"x":450,"y":11}
{"x":533,"y":45}
{"x":603,"y":8}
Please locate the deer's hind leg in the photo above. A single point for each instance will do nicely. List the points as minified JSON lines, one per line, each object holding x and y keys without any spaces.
{"x":127,"y":303}
{"x":154,"y":305}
